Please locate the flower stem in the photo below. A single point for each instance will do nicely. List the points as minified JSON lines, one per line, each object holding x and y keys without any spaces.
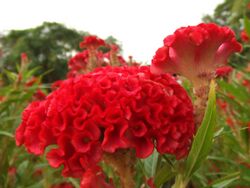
{"x":180,"y":182}
{"x":123,"y":163}
{"x":200,"y":103}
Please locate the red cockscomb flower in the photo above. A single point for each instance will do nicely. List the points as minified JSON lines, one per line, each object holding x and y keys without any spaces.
{"x":91,"y":42}
{"x":223,"y":71}
{"x":24,"y":57}
{"x":244,"y":36}
{"x":78,"y":64}
{"x":31,"y":81}
{"x":196,"y":51}
{"x":109,"y":109}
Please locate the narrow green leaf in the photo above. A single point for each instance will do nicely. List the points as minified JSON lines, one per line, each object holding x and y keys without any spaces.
{"x":163,"y":175}
{"x":6,"y":134}
{"x":225,"y":181}
{"x":74,"y":182}
{"x":39,"y":184}
{"x":150,"y":164}
{"x":204,"y":137}
{"x":247,"y":25}
{"x":237,"y":90}
{"x":12,"y":76}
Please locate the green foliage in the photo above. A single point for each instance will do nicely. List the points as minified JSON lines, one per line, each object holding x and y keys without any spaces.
{"x":204,"y":137}
{"x":48,"y":46}
{"x":17,"y":167}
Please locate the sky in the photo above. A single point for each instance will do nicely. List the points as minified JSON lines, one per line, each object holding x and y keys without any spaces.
{"x":139,"y":25}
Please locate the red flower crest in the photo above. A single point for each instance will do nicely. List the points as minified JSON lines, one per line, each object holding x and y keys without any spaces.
{"x":195,"y":51}
{"x":109,"y":109}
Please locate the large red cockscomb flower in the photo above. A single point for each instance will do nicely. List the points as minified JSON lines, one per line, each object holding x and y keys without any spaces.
{"x":109,"y":109}
{"x":196,"y":51}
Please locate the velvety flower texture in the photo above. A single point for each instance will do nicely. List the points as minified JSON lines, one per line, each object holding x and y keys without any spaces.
{"x":95,"y":178}
{"x":223,"y":71}
{"x":91,"y":42}
{"x":244,"y":36}
{"x":196,"y":51}
{"x":109,"y":109}
{"x":79,"y":61}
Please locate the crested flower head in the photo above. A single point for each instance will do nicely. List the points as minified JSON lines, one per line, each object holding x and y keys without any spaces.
{"x":107,"y":110}
{"x":78,"y":63}
{"x":196,"y":51}
{"x":92,"y":42}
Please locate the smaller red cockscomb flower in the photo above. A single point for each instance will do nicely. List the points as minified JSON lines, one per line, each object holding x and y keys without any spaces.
{"x":78,"y":64}
{"x":223,"y":71}
{"x":222,"y":104}
{"x":95,"y":178}
{"x":2,"y":98}
{"x":24,"y":57}
{"x":39,"y":95}
{"x":12,"y":171}
{"x":244,"y":36}
{"x":31,"y":81}
{"x":92,"y":42}
{"x":196,"y":52}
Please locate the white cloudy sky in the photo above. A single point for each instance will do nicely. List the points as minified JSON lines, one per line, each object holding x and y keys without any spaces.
{"x":140,"y":25}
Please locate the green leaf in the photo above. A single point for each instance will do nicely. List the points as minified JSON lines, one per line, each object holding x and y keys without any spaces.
{"x":150,"y":164}
{"x":74,"y":182}
{"x":6,"y":134}
{"x":12,"y":76}
{"x":225,"y":181}
{"x":247,"y":25}
{"x":163,"y":175}
{"x":204,"y":137}
{"x":237,"y":90}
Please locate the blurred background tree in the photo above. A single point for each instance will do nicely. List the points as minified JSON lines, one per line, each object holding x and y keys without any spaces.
{"x":48,"y":46}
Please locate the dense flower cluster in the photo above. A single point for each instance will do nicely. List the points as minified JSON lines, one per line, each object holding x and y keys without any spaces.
{"x":196,"y":51}
{"x":92,"y":57}
{"x":109,"y":109}
{"x":78,"y":63}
